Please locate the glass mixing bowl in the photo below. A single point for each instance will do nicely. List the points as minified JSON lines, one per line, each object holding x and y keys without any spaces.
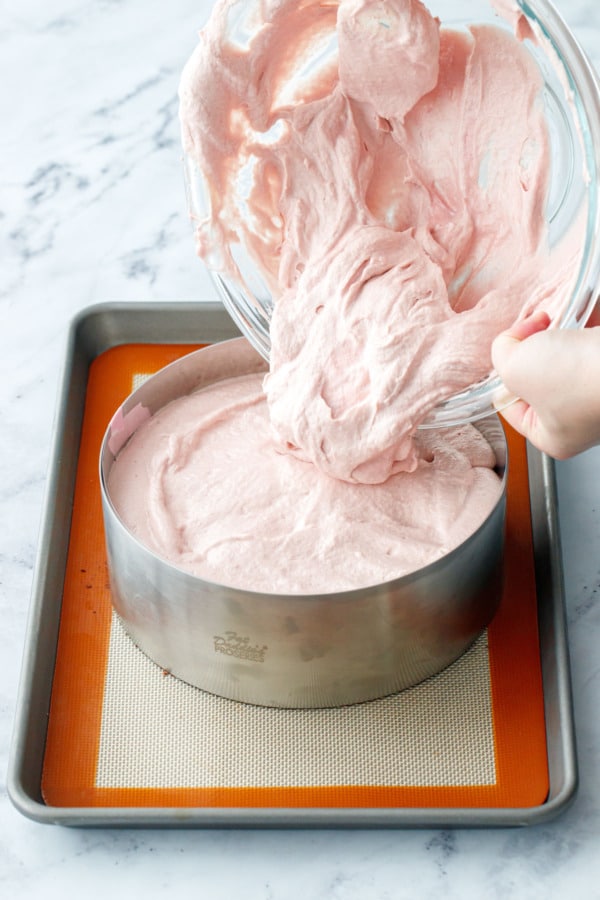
{"x":572,"y":105}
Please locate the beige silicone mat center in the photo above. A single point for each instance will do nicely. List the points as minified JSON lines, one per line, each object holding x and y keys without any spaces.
{"x":159,"y":732}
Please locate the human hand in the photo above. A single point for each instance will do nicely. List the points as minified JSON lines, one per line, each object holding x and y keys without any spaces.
{"x":556,"y":376}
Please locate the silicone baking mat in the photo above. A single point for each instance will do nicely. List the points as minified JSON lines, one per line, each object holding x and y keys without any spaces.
{"x":124,"y":733}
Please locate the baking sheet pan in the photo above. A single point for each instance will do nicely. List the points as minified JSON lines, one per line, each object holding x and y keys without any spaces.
{"x":108,"y":325}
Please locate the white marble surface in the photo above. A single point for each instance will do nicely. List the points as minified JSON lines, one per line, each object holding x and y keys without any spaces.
{"x":91,"y":209}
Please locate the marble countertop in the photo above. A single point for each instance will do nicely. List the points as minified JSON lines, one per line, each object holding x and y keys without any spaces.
{"x":92,"y":210}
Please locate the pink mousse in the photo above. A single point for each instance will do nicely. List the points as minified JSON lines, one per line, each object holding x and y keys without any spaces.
{"x":203,"y":485}
{"x":392,"y":197}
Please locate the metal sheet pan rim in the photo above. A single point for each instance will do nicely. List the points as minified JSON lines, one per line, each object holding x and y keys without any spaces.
{"x":145,"y":323}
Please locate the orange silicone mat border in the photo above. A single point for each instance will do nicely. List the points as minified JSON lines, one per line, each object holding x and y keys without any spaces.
{"x":73,"y":735}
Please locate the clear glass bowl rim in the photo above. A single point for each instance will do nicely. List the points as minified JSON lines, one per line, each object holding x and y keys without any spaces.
{"x":487,"y":396}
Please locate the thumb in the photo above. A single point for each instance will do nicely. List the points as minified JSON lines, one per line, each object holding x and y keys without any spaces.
{"x":516,"y":412}
{"x":505,"y":347}
{"x":524,"y":328}
{"x":514,"y":373}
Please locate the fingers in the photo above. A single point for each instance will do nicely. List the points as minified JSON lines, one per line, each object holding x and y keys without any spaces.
{"x":518,"y":415}
{"x":516,"y":377}
{"x":537,"y":321}
{"x":524,"y":419}
{"x":555,"y":376}
{"x":506,"y":344}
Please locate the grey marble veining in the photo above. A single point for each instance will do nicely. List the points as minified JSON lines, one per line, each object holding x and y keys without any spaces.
{"x":92,"y":209}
